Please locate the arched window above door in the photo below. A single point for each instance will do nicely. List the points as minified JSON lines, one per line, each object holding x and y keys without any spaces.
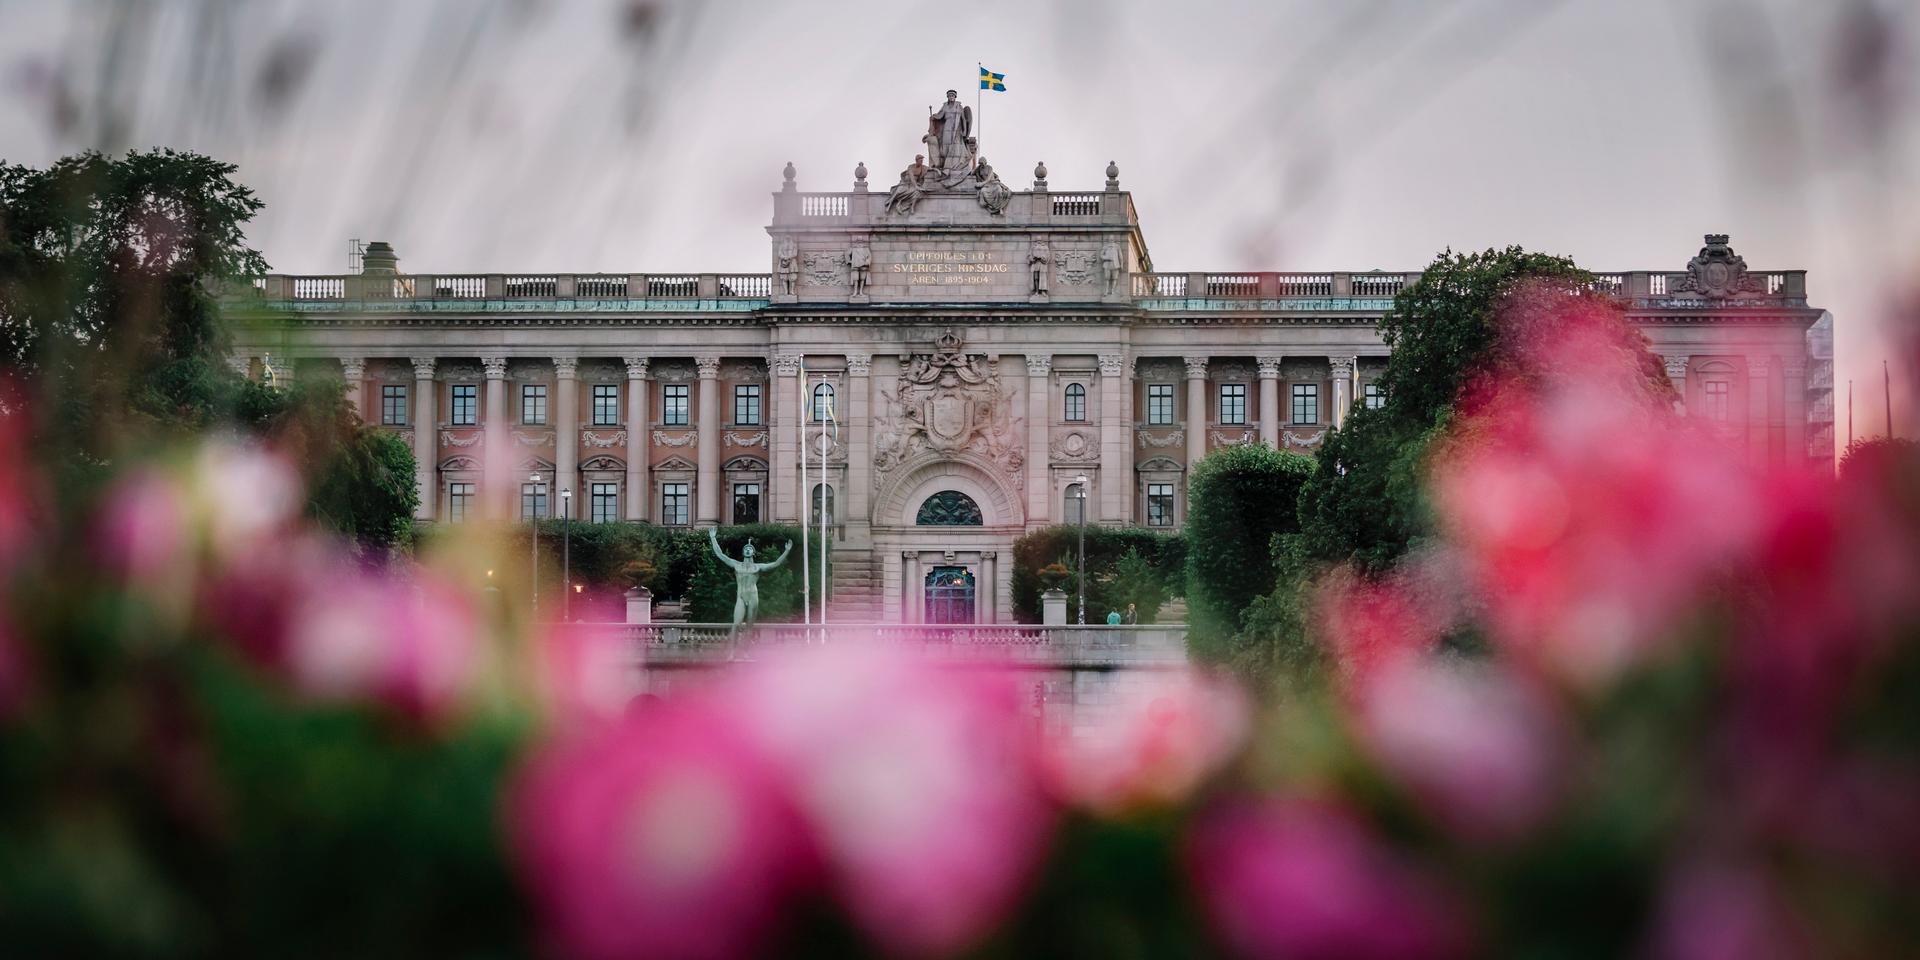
{"x":949,"y":508}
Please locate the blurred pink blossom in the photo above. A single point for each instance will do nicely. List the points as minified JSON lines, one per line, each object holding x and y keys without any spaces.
{"x":1154,"y":749}
{"x":916,"y":779}
{"x":1721,"y":912}
{"x":584,"y":671}
{"x":1295,"y":878}
{"x":413,"y":645}
{"x":668,"y":834}
{"x":143,"y":528}
{"x":248,"y":497}
{"x":1369,"y":624}
{"x":1477,"y":743}
{"x":15,"y":676}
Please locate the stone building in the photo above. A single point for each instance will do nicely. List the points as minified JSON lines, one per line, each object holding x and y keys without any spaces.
{"x":983,"y":350}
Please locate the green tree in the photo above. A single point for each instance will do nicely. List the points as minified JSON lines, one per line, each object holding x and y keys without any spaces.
{"x":1238,"y":500}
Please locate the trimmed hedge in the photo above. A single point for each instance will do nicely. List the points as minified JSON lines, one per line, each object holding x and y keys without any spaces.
{"x":1238,"y":499}
{"x":1110,"y":586}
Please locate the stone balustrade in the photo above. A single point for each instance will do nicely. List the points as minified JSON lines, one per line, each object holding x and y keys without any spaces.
{"x":697,"y":645}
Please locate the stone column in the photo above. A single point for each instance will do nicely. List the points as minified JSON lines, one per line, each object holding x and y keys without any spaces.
{"x":912,"y":592}
{"x":638,"y":498}
{"x":1793,"y":404}
{"x":353,"y":371}
{"x":1677,"y":374}
{"x":566,"y":425}
{"x":1758,"y":374}
{"x":1129,"y":484}
{"x":1269,"y":367}
{"x":1196,"y":410}
{"x":707,"y":482}
{"x":1113,"y":440}
{"x":426,"y":446}
{"x":783,"y":465}
{"x":1342,"y":368}
{"x":1039,"y":422}
{"x":497,"y":449}
{"x":857,"y":415}
{"x":984,"y":593}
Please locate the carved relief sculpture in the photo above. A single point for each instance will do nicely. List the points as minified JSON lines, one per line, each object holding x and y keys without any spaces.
{"x":1075,"y":269}
{"x":1718,"y":272}
{"x":944,"y":403}
{"x":1037,"y":266}
{"x":823,"y":269}
{"x":1110,"y":265}
{"x":789,"y":265}
{"x":859,"y":263}
{"x":948,"y":130}
{"x":993,"y":194}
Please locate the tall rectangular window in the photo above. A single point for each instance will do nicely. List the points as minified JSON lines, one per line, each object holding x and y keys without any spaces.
{"x":533,"y":404}
{"x":673,"y":504}
{"x":393,"y":404}
{"x":459,"y":501}
{"x":1373,"y":396}
{"x":606,"y":404}
{"x":746,"y":405}
{"x":466,"y":405}
{"x":746,"y":503}
{"x":1159,"y":404}
{"x":1076,"y":407}
{"x":1233,"y":403}
{"x":533,"y":501}
{"x":673,"y":406}
{"x":1159,"y":504}
{"x":1715,"y":393}
{"x":1306,"y":403}
{"x":605,"y":505}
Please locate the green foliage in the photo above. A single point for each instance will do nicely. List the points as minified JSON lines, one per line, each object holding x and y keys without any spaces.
{"x":674,"y":562}
{"x":1136,"y":581}
{"x":1238,"y":500}
{"x":1162,"y":554}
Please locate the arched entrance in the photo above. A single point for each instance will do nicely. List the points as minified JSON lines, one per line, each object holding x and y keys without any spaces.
{"x":949,"y":595}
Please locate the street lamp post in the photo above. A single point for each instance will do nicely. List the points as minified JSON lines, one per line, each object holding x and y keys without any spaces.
{"x":566,"y":555}
{"x":536,"y":545}
{"x":1081,"y":482}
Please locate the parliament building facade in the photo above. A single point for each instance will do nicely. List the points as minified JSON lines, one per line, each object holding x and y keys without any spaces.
{"x":994,"y":361}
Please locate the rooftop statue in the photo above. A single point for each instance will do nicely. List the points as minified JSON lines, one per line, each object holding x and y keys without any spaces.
{"x":948,"y":130}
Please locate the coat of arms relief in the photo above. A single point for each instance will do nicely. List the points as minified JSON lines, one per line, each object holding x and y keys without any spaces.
{"x":945,"y":403}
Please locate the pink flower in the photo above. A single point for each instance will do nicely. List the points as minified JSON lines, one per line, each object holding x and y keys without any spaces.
{"x":1297,"y":879}
{"x":1163,"y":738}
{"x":1369,"y":624}
{"x":143,"y":530}
{"x":412,"y":645}
{"x":584,"y":672}
{"x":1479,"y":745}
{"x":1718,"y":912}
{"x":663,"y":835}
{"x":249,"y":499}
{"x":915,"y":778}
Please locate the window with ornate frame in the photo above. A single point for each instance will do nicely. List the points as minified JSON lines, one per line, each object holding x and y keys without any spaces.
{"x":1157,"y":492}
{"x":949,"y":508}
{"x":823,"y":402}
{"x":822,"y":496}
{"x":1076,"y":403}
{"x":464,"y":408}
{"x":604,"y":505}
{"x":1159,"y":504}
{"x":1073,"y":504}
{"x":675,"y":504}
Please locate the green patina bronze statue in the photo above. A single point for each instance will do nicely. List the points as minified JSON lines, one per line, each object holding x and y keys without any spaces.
{"x":746,"y":575}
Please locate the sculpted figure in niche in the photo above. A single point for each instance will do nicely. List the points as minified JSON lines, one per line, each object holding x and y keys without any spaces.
{"x":910,"y":189}
{"x":1037,"y":266}
{"x":746,"y":579}
{"x":789,"y":265}
{"x":947,"y":131}
{"x":1110,"y":265}
{"x":859,"y":261}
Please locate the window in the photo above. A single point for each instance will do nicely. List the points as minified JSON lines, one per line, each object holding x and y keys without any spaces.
{"x":822,"y":501}
{"x":604,"y":507}
{"x":746,"y":405}
{"x":459,"y":501}
{"x":746,"y":503}
{"x":533,"y":501}
{"x":822,"y":402}
{"x":606,"y":404}
{"x":393,"y":405}
{"x":949,"y":508}
{"x":1373,"y":397}
{"x":1074,"y":505}
{"x":1233,"y":403}
{"x":1714,"y":394}
{"x":1306,"y":403}
{"x":673,"y":411}
{"x":466,"y":405}
{"x":533,"y":404}
{"x":1159,"y":504}
{"x":1076,"y":402}
{"x":673,"y":503}
{"x":1159,"y":404}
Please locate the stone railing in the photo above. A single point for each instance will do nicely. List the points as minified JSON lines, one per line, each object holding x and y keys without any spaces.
{"x":1021,"y":645}
{"x":375,"y":288}
{"x":1646,"y":288}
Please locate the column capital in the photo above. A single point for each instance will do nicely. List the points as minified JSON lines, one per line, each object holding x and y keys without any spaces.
{"x":1111,"y":364}
{"x":1676,"y":364}
{"x":1758,"y":366}
{"x":786,"y":364}
{"x":1196,"y":367}
{"x":636,"y":367}
{"x":1269,"y":366}
{"x":566,"y":368}
{"x":353,"y":368}
{"x":1039,"y":365}
{"x":709,"y":367}
{"x":859,"y":364}
{"x":496,"y":367}
{"x":1342,"y":367}
{"x":422,"y":367}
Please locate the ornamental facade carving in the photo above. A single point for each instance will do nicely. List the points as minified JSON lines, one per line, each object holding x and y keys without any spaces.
{"x":1171,"y":439}
{"x":1076,"y":446}
{"x":592,"y":439}
{"x":944,"y":403}
{"x":1716,"y":271}
{"x":1290,"y":439}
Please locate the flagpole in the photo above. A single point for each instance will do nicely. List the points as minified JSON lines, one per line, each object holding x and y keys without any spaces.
{"x":979,"y":112}
{"x":823,"y":525}
{"x":1886,"y":393}
{"x":806,"y":575}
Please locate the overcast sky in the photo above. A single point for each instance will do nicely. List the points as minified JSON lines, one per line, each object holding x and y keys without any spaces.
{"x":620,"y":136}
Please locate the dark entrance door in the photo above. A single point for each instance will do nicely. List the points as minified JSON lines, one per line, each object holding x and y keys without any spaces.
{"x":949,"y":595}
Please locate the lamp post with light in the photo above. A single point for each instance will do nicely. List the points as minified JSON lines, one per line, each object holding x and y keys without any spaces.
{"x":535,"y":479}
{"x":566,"y":554}
{"x":1081,"y":482}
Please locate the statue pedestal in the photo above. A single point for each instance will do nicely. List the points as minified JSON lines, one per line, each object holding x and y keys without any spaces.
{"x":784,"y":298}
{"x":1053,"y":608}
{"x":640,"y":605}
{"x":1037,"y":298}
{"x":857,"y":298}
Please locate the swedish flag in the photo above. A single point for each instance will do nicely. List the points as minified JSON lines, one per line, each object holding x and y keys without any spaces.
{"x":992,"y":81}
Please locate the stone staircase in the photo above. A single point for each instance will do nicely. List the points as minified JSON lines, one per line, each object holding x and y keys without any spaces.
{"x":855,"y":594}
